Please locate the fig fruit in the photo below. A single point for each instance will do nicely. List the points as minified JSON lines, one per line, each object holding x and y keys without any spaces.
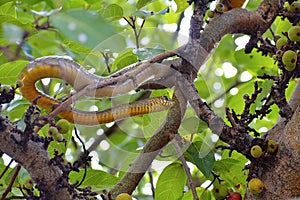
{"x":289,"y":59}
{"x":63,"y":126}
{"x":123,"y":196}
{"x":220,"y":191}
{"x":255,"y":186}
{"x":256,"y":151}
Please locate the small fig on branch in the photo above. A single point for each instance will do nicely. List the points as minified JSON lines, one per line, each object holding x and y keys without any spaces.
{"x":294,"y":33}
{"x":220,"y":191}
{"x":28,"y":184}
{"x":255,"y":186}
{"x":210,"y":13}
{"x":289,"y":59}
{"x":256,"y":151}
{"x":123,"y":196}
{"x":63,"y":126}
{"x":220,"y":7}
{"x":281,"y":42}
{"x":235,"y":196}
{"x":294,"y":7}
{"x":272,"y":146}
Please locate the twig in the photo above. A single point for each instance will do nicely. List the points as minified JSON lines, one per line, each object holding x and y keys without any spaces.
{"x":176,"y":143}
{"x":12,"y":180}
{"x":151,"y":182}
{"x":6,"y":168}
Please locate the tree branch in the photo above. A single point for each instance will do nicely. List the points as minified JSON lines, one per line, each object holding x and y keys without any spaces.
{"x":35,"y":160}
{"x":152,"y":148}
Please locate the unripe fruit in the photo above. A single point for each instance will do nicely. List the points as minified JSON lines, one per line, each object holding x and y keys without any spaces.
{"x":28,"y":184}
{"x":235,"y":196}
{"x":63,"y":126}
{"x":124,"y":196}
{"x":294,"y":7}
{"x":220,"y":8}
{"x":220,"y":191}
{"x":289,"y":59}
{"x":294,"y":33}
{"x":255,"y":186}
{"x":272,"y":146}
{"x":210,"y":13}
{"x":58,"y":137}
{"x":52,"y":131}
{"x":279,"y":53}
{"x":280,"y":42}
{"x":256,"y":151}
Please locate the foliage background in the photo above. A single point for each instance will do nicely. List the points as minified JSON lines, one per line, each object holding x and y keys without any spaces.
{"x":84,"y":29}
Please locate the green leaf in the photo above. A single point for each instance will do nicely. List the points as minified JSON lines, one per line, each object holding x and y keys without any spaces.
{"x":171,"y":182}
{"x":146,"y":53}
{"x":252,"y":62}
{"x":181,"y":5}
{"x":77,"y":47}
{"x":202,"y":194}
{"x":231,"y":170}
{"x":142,"y":3}
{"x":9,"y":72}
{"x":124,"y":59}
{"x":97,"y":179}
{"x":204,"y":164}
{"x":113,"y":11}
{"x":83,"y":26}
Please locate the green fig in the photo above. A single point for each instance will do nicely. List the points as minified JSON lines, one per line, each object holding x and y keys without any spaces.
{"x":294,"y":7}
{"x":220,"y":8}
{"x":255,"y":186}
{"x":281,"y":42}
{"x":210,"y":13}
{"x":256,"y":151}
{"x":52,"y":131}
{"x":294,"y":33}
{"x":63,"y":126}
{"x":28,"y":184}
{"x":220,"y":191}
{"x":289,"y":59}
{"x":123,"y":196}
{"x":272,"y":146}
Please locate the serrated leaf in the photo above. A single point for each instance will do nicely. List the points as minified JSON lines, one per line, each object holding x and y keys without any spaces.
{"x":181,"y":5}
{"x":9,"y":72}
{"x":97,"y":179}
{"x":125,"y":58}
{"x":204,"y":164}
{"x":83,"y":26}
{"x":142,"y":3}
{"x":171,"y":182}
{"x":113,"y":10}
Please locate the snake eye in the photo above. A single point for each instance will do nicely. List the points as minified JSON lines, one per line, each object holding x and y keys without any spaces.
{"x":166,"y":98}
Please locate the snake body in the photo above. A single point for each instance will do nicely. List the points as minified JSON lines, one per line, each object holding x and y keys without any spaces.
{"x":74,"y":74}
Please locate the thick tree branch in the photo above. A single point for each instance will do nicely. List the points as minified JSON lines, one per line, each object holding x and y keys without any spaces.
{"x":35,"y":160}
{"x":233,"y":21}
{"x":152,"y":148}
